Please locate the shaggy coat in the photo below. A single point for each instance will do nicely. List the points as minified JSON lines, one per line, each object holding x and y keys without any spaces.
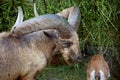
{"x":31,"y":44}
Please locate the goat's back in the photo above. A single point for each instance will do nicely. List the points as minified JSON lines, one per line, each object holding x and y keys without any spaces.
{"x":18,"y":57}
{"x":98,"y":67}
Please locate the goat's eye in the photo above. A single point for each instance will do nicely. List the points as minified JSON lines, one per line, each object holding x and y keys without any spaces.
{"x":66,"y":44}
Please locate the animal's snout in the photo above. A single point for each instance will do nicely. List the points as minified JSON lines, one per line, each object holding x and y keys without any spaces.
{"x":79,"y":58}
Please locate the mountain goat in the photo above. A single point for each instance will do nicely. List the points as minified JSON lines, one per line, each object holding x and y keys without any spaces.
{"x":68,"y":29}
{"x":31,"y":44}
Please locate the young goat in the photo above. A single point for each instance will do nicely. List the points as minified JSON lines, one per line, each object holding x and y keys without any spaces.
{"x":98,"y":68}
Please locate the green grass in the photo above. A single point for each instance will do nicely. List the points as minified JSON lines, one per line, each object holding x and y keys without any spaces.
{"x":65,"y":72}
{"x":62,"y":73}
{"x":99,"y":26}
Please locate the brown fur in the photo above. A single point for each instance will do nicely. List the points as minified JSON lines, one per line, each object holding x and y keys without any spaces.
{"x":98,"y":63}
{"x":23,"y":56}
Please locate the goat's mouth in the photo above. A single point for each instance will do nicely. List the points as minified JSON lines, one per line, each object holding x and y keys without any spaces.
{"x":76,"y":58}
{"x":79,"y":60}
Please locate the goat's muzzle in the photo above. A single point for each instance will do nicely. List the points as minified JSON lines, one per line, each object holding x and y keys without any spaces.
{"x":79,"y":58}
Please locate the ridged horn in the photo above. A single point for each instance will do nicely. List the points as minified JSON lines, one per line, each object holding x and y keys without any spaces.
{"x":19,"y":18}
{"x":35,"y":10}
{"x":48,"y":21}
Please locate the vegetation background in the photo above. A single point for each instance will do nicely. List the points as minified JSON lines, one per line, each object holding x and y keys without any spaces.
{"x":99,"y":31}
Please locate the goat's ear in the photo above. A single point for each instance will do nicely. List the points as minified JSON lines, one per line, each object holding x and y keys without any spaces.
{"x":66,"y":44}
{"x":51,"y":34}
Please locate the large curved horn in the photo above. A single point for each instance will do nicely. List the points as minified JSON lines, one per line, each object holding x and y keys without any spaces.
{"x":73,"y":15}
{"x":48,"y":21}
{"x":35,"y":10}
{"x":19,"y":18}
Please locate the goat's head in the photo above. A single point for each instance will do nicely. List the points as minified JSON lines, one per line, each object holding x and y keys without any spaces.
{"x":75,"y":52}
{"x":69,"y":48}
{"x":73,"y":15}
{"x":68,"y":41}
{"x":72,"y":50}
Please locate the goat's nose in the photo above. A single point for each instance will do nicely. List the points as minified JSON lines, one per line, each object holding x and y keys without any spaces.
{"x":79,"y":58}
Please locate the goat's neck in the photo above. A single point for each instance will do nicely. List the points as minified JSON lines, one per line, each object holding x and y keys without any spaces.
{"x":41,"y":43}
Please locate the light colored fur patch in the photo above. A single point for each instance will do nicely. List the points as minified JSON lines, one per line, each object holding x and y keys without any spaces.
{"x":92,"y":75}
{"x":109,"y":74}
{"x":102,"y":76}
